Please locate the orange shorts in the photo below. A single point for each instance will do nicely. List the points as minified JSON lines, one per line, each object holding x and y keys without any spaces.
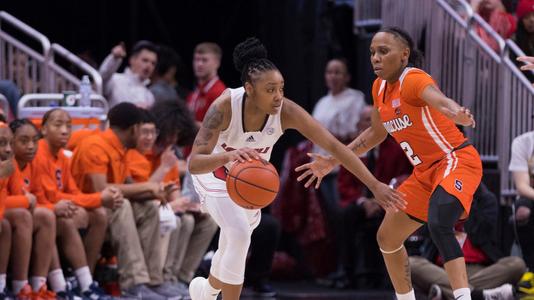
{"x":459,"y":173}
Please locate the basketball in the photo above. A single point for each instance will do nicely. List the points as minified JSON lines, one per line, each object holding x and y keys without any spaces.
{"x":253,"y":184}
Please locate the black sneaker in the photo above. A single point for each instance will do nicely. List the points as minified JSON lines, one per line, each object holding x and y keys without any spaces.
{"x":435,"y":292}
{"x":6,"y":295}
{"x":263,"y":290}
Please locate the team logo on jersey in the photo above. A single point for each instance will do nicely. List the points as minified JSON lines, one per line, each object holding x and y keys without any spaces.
{"x":398,"y":124}
{"x":270,"y":131}
{"x":458,"y":184}
{"x":395,"y":103}
{"x":251,"y":139}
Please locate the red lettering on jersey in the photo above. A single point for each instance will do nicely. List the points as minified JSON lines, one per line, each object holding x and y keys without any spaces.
{"x":260,"y":150}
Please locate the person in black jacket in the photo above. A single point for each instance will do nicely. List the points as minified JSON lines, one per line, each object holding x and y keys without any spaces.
{"x":491,"y":274}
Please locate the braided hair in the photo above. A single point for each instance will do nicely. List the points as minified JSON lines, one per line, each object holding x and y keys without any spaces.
{"x":416,"y":57}
{"x":18,"y":123}
{"x":250,"y":58}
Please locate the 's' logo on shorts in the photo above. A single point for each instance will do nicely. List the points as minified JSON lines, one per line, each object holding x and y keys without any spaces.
{"x":458,"y":184}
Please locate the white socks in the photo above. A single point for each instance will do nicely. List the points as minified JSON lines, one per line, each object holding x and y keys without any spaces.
{"x":2,"y":282}
{"x":209,"y":291}
{"x":37,"y":282}
{"x":462,"y":294}
{"x":85,"y":279}
{"x":408,"y":296}
{"x":17,"y":285}
{"x":57,"y":281}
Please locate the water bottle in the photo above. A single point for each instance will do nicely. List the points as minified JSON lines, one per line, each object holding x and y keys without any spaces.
{"x":85,"y":91}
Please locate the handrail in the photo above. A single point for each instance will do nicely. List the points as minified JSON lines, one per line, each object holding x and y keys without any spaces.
{"x":487,"y":27}
{"x":26,"y":99}
{"x":45,"y":43}
{"x":511,"y":45}
{"x":465,"y":22}
{"x":71,"y":57}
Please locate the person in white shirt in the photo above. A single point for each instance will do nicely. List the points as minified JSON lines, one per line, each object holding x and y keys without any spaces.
{"x":339,"y":112}
{"x":130,"y":86}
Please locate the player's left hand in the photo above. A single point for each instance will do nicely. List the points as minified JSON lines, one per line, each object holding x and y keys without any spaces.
{"x":317,"y":169}
{"x":464,"y":117}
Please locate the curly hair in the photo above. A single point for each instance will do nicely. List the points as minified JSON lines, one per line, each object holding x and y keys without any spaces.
{"x":174,"y":118}
{"x":250,"y":58}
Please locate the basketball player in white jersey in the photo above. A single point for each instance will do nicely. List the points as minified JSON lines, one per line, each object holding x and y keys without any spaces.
{"x":244,"y":124}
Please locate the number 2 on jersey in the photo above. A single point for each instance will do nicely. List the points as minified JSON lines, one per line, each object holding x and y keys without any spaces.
{"x":414,"y":159}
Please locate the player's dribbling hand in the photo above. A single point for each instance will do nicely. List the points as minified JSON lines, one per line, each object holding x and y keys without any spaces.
{"x":317,"y":169}
{"x":242,"y":155}
{"x":464,"y":117}
{"x":389,"y":198}
{"x":529,"y":62}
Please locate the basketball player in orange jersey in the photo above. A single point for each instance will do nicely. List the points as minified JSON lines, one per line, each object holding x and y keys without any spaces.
{"x":447,"y":169}
{"x":244,"y":124}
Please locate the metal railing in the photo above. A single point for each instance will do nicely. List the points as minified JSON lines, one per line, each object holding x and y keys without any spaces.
{"x":39,"y":70}
{"x":62,"y":79}
{"x":20,"y":63}
{"x":472,"y":65}
{"x":367,"y":14}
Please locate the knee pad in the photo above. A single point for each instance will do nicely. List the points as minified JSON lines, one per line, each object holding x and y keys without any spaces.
{"x":444,"y":210}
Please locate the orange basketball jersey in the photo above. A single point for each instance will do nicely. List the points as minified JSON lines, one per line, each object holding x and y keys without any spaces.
{"x":425,"y":134}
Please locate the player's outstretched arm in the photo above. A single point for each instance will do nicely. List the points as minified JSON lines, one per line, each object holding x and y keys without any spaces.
{"x":459,"y":114}
{"x":322,"y":165}
{"x":293,"y":116}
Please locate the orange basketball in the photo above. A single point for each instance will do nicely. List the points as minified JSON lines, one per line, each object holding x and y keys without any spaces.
{"x":253,"y":184}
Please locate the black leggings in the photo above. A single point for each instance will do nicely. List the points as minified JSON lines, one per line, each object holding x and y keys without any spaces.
{"x":443,"y":212}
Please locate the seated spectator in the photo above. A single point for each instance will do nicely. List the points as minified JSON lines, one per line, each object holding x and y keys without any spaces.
{"x":53,"y":165}
{"x":524,"y":36}
{"x":98,"y":162}
{"x":206,"y":63}
{"x":12,"y":93}
{"x":491,"y":274}
{"x":494,"y":13}
{"x":130,"y":86}
{"x":28,"y":222}
{"x":27,"y":177}
{"x":522,"y":168}
{"x":190,"y":240}
{"x":339,"y":112}
{"x":6,"y":169}
{"x":164,"y":85}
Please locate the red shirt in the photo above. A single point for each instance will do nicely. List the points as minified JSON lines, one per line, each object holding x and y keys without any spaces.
{"x":203,"y":96}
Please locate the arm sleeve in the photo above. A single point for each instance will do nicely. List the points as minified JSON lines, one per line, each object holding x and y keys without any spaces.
{"x":94,"y":160}
{"x":17,"y":201}
{"x":73,"y":193}
{"x":109,"y":66}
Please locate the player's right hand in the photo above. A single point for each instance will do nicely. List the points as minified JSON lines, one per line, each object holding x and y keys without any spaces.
{"x":317,"y":169}
{"x":112,"y":197}
{"x":243,"y":155}
{"x":32,"y":200}
{"x":389,"y":198}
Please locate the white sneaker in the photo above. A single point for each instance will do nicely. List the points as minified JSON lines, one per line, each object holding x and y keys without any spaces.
{"x":196,"y":288}
{"x":503,"y":292}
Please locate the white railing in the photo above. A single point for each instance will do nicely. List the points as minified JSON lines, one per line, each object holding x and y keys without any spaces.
{"x":367,"y":14}
{"x":51,"y":68}
{"x":18,"y":62}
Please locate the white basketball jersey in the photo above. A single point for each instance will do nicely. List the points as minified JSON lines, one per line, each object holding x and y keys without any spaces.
{"x":235,"y":137}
